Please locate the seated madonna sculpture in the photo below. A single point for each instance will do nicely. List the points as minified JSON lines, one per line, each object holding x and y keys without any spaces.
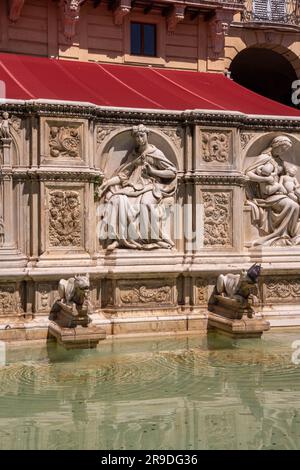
{"x":272,"y":193}
{"x":136,"y":199}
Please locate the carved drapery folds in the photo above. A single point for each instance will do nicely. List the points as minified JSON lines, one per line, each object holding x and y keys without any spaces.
{"x":15,"y":9}
{"x":215,"y":146}
{"x":70,"y":13}
{"x":218,"y":27}
{"x":175,"y":15}
{"x":217,"y":218}
{"x":64,"y":218}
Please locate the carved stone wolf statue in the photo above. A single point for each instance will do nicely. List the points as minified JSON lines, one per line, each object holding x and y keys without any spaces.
{"x":74,"y":290}
{"x":238,"y":286}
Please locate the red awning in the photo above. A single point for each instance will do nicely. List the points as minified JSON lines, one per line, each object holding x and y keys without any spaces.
{"x":28,"y":77}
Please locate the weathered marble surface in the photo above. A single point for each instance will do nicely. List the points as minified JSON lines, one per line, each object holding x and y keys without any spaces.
{"x":54,"y":158}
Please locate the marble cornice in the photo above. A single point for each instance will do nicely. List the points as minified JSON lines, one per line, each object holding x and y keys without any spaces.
{"x":129,"y":116}
{"x":88,"y":175}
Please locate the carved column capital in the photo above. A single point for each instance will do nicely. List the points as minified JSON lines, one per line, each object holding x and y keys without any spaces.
{"x":15,"y":9}
{"x":121,"y":10}
{"x":175,"y":15}
{"x":70,"y":14}
{"x":218,"y":27}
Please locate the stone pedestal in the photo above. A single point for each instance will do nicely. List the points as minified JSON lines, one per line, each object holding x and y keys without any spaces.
{"x":242,"y":328}
{"x":77,"y":338}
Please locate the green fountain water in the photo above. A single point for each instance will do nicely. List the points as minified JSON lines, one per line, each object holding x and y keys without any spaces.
{"x":174,"y":393}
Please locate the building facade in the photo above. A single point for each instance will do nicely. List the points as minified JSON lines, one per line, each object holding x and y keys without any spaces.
{"x":55,"y":155}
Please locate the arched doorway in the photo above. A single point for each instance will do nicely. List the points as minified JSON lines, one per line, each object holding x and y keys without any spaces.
{"x":266,"y":72}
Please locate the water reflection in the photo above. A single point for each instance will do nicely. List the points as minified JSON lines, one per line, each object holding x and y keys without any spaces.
{"x":188,"y":393}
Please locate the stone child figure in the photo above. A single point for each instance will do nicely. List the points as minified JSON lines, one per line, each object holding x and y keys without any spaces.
{"x":136,"y":196}
{"x":268,"y":188}
{"x":5,"y":126}
{"x":290,"y":183}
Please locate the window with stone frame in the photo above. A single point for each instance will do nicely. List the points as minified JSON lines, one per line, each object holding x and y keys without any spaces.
{"x":143,"y":39}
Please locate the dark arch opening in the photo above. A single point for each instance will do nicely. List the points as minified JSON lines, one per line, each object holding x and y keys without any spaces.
{"x":266,"y":72}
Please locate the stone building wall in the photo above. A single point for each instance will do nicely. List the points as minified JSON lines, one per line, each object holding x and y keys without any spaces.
{"x":99,"y":36}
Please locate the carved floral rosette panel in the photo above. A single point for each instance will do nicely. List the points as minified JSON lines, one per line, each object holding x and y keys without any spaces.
{"x":217,"y":218}
{"x":10,"y":299}
{"x":216,"y":146}
{"x":65,"y":217}
{"x":282,"y":290}
{"x":62,"y":140}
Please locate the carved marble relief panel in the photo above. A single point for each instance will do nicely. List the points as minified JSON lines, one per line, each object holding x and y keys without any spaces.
{"x":282,"y":290}
{"x":10,"y":299}
{"x":63,"y":142}
{"x":46,"y":294}
{"x":217,"y":218}
{"x":141,"y":293}
{"x":215,"y":147}
{"x":64,"y":220}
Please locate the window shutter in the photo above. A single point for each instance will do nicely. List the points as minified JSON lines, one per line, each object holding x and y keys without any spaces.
{"x":272,"y":10}
{"x":261,"y":9}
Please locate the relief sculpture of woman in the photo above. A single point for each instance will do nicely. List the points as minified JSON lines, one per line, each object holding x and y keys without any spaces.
{"x":275,"y":210}
{"x":135,"y":199}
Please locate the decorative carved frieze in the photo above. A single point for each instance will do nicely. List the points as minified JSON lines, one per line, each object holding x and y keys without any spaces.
{"x":215,"y":146}
{"x":10,"y":302}
{"x":224,"y":180}
{"x":65,"y":218}
{"x":2,"y":231}
{"x":70,"y":13}
{"x":146,"y":295}
{"x":282,"y":289}
{"x":175,"y":15}
{"x":44,"y":297}
{"x":217,"y":218}
{"x":122,"y":9}
{"x":64,"y":142}
{"x":103,"y":132}
{"x":15,"y":9}
{"x":245,"y":138}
